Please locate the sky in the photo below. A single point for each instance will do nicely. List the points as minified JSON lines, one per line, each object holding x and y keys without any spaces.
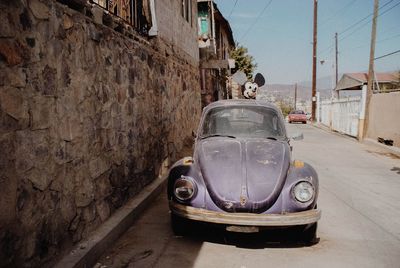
{"x":278,"y":34}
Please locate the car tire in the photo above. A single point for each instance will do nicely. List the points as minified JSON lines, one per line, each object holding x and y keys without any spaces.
{"x":304,"y":122}
{"x":179,"y":225}
{"x":309,"y":234}
{"x":290,"y":122}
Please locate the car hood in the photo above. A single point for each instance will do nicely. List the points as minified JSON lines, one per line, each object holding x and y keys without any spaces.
{"x":243,"y":175}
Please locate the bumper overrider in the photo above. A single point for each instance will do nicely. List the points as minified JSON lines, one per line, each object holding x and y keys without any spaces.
{"x":245,"y":219}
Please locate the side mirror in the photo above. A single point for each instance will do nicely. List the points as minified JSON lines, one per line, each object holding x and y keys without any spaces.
{"x":297,"y":136}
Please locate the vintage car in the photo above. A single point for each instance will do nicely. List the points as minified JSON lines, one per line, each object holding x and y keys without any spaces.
{"x":242,"y":176}
{"x":297,"y":116}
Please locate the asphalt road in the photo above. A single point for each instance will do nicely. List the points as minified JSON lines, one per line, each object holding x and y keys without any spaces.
{"x":360,"y":225}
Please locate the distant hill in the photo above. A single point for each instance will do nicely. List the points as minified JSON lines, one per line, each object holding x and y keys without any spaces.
{"x":325,"y":82}
{"x":287,"y":91}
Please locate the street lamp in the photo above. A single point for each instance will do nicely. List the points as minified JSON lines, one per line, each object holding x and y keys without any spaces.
{"x":333,"y":84}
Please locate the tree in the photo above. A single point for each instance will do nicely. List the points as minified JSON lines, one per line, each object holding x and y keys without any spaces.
{"x":285,"y":107}
{"x":243,"y":61}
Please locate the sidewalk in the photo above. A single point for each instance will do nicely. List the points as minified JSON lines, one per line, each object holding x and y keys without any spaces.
{"x":369,"y":142}
{"x":86,"y":253}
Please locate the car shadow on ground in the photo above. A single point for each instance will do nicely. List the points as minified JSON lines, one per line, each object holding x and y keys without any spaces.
{"x":271,"y":238}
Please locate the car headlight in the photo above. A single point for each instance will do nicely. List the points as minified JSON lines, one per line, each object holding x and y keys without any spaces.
{"x":303,"y":191}
{"x":184,"y":188}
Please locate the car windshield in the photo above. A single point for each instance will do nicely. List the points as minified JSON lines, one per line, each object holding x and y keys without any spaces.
{"x":243,"y":121}
{"x":298,"y":112}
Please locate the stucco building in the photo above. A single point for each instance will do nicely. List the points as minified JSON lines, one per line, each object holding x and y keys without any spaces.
{"x":215,"y":40}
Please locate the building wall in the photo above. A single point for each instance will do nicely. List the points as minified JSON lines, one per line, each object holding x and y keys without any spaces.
{"x":384,"y":117}
{"x":224,"y":47}
{"x":175,"y":29}
{"x":87,"y":116}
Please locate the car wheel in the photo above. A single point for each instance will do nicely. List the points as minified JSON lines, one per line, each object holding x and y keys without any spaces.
{"x":179,"y":225}
{"x":304,"y":122}
{"x":290,"y":122}
{"x":309,"y":234}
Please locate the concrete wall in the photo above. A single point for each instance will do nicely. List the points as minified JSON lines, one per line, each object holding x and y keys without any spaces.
{"x":384,"y":119}
{"x":87,"y":115}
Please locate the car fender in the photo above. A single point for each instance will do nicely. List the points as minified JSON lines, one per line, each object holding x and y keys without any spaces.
{"x":187,"y":167}
{"x":299,"y":171}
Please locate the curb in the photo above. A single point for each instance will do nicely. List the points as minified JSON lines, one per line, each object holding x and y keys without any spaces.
{"x":367,"y":141}
{"x":337,"y":133}
{"x":86,"y":253}
{"x":391,"y":149}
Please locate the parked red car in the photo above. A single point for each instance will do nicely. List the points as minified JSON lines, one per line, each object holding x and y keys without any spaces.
{"x":297,"y":116}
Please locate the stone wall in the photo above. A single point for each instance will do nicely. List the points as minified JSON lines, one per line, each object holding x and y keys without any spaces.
{"x":87,"y":116}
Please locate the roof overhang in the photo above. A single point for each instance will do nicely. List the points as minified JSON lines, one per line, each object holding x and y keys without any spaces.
{"x":355,"y":81}
{"x":349,"y":83}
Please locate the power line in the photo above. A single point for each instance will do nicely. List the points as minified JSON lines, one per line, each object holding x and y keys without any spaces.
{"x":256,"y":20}
{"x":336,"y":13}
{"x":364,"y":24}
{"x":233,"y":9}
{"x":358,"y":28}
{"x":325,"y":50}
{"x":363,"y":19}
{"x":379,"y":41}
{"x":391,"y":53}
{"x":388,"y":38}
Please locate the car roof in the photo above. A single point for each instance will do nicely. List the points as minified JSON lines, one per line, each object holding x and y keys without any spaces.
{"x":240,"y":102}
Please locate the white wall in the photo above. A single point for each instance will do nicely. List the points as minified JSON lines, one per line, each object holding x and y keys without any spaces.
{"x":341,"y":115}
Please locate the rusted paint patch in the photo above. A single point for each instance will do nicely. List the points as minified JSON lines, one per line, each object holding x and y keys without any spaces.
{"x":298,"y":164}
{"x":187,"y":161}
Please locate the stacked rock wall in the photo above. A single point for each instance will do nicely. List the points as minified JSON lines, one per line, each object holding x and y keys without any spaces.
{"x":87,"y":116}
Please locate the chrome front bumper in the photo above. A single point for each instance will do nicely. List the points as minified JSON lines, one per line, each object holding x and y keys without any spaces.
{"x":245,"y":219}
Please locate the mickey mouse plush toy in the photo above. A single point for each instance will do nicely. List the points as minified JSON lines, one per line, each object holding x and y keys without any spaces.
{"x":247,"y":88}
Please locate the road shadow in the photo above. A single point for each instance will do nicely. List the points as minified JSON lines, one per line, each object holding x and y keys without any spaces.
{"x":396,"y":169}
{"x":270,"y":238}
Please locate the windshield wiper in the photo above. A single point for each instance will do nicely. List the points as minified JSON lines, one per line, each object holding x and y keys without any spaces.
{"x":218,"y":135}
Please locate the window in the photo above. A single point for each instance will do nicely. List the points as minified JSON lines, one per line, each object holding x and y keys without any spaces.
{"x":134,"y":12}
{"x":244,"y":122}
{"x":186,"y":10}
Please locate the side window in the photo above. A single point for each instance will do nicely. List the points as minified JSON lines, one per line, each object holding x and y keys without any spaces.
{"x":186,"y":10}
{"x":275,"y":122}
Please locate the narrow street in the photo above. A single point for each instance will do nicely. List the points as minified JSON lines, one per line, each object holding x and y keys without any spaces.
{"x":359,"y":198}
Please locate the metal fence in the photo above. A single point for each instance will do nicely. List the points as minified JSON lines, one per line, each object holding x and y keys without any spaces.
{"x":133,"y":12}
{"x":341,"y":115}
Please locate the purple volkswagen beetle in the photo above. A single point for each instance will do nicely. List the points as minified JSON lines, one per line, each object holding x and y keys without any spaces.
{"x":242,"y":176}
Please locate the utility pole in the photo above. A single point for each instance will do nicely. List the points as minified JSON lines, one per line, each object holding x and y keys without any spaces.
{"x":336,"y":61}
{"x":295,"y":96}
{"x":314,"y":71}
{"x":370,"y":70}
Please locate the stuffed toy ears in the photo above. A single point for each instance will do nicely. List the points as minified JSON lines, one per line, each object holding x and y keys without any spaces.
{"x":239,"y":77}
{"x":259,"y":80}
